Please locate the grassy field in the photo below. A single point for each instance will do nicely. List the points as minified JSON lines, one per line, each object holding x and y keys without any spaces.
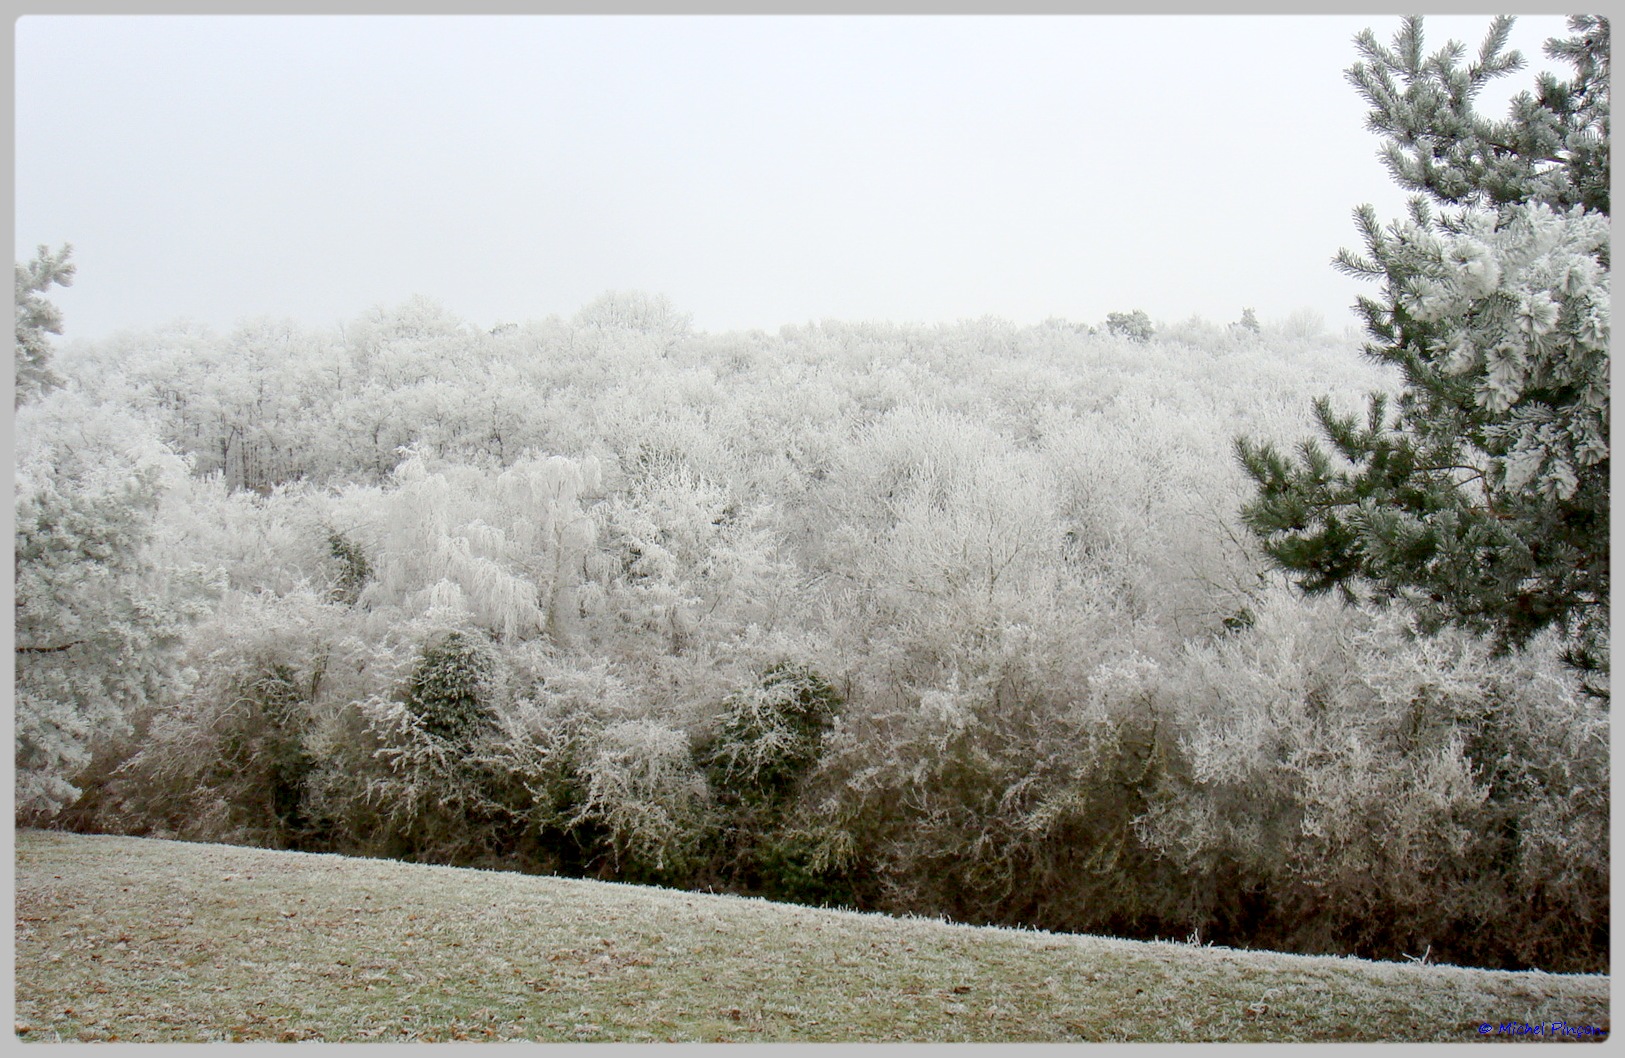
{"x":141,"y":940}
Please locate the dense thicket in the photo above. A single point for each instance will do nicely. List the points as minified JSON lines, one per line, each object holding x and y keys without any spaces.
{"x":953,"y":620}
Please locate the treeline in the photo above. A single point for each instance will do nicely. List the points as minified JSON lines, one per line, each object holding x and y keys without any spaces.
{"x":951,"y":620}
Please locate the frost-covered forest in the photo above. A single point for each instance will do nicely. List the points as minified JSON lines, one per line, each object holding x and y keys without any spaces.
{"x":1211,"y":631}
{"x":951,"y":620}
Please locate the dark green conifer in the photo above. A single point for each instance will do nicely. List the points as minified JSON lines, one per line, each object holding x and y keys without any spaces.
{"x":1480,"y":496}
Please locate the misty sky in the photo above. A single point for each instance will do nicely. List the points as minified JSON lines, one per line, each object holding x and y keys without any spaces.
{"x":758,"y":170}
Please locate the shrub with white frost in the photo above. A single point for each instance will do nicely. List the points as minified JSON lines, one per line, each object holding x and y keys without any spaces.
{"x":643,"y":789}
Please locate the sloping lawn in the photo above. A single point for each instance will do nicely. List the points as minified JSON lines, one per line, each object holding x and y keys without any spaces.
{"x":143,"y":940}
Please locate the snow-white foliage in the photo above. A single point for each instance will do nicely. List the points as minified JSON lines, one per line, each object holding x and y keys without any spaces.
{"x":634,"y":310}
{"x":506,"y":548}
{"x":686,"y":554}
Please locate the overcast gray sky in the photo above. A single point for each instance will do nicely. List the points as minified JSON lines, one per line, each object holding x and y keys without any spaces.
{"x":758,"y":170}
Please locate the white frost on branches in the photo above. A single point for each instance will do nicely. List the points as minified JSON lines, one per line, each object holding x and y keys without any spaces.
{"x":506,"y":549}
{"x":1525,"y":299}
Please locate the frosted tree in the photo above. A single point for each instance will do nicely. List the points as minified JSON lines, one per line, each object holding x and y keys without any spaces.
{"x":37,"y":317}
{"x":1135,"y":326}
{"x":644,"y":790}
{"x":1480,"y":497}
{"x":506,"y":549}
{"x":631,"y":312}
{"x":97,"y":622}
{"x":688,"y":560}
{"x":163,"y":373}
{"x":264,"y":405}
{"x":407,"y":366}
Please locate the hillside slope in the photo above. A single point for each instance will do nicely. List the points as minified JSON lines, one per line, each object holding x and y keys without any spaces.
{"x":144,"y":940}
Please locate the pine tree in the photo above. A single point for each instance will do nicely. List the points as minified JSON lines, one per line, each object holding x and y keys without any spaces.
{"x":1136,"y":326}
{"x":1479,"y":497}
{"x":98,"y":623}
{"x":37,"y":317}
